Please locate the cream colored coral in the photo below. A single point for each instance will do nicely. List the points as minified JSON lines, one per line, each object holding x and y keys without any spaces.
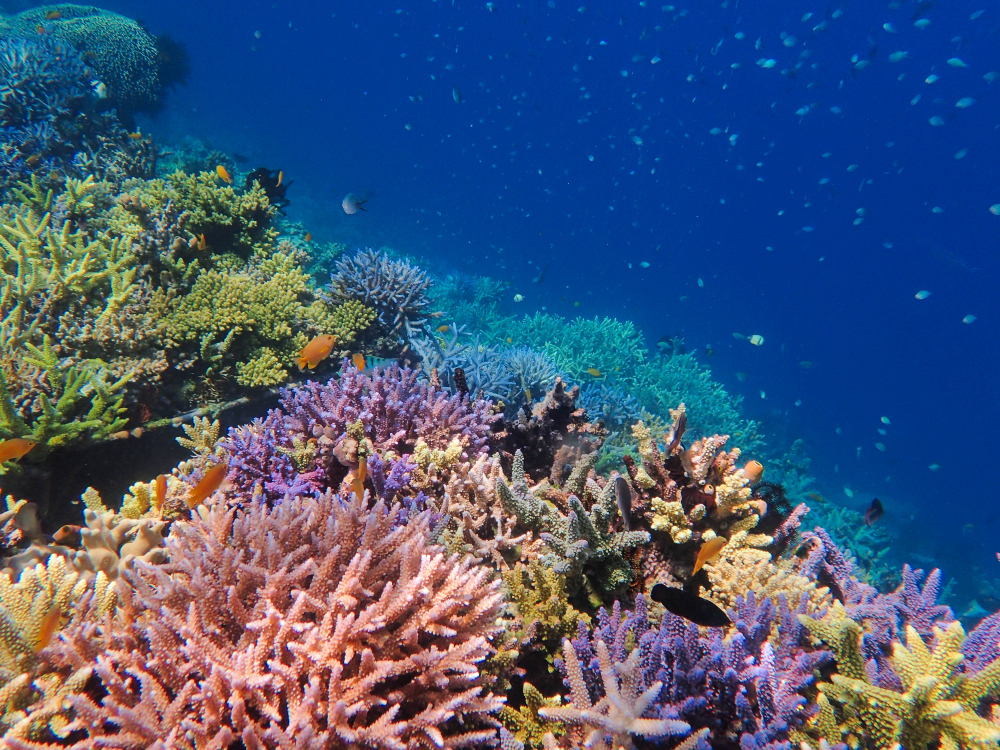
{"x":732,"y":495}
{"x":742,"y":566}
{"x":670,"y":517}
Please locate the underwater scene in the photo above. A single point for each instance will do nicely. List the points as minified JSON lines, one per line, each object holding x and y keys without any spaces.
{"x":519,"y":374}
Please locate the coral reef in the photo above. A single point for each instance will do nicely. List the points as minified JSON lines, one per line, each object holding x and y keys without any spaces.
{"x":125,"y":57}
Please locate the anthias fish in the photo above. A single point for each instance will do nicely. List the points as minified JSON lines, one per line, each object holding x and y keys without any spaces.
{"x":210,"y":482}
{"x":15,"y":448}
{"x":690,"y":606}
{"x":315,"y":351}
{"x":708,"y":552}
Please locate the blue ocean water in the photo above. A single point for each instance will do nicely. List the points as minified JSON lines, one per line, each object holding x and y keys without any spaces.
{"x":785,"y":169}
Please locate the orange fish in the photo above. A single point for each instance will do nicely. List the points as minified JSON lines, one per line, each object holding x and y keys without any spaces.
{"x":137,"y":136}
{"x":15,"y":448}
{"x":161,"y":492}
{"x":53,"y":15}
{"x":442,"y":329}
{"x":708,"y":551}
{"x":309,"y":236}
{"x":358,"y":483}
{"x":40,"y":29}
{"x":33,"y":160}
{"x":210,"y":482}
{"x":50,"y":623}
{"x":281,"y":176}
{"x":510,"y":340}
{"x":315,"y":351}
{"x":120,"y":435}
{"x":359,"y":361}
{"x":223,"y":174}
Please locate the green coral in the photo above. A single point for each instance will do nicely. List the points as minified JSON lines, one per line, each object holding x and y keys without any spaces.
{"x":526,"y":724}
{"x":61,"y":415}
{"x":231,"y":221}
{"x":936,"y":708}
{"x":38,"y":260}
{"x":345,"y":321}
{"x":541,"y":602}
{"x":248,"y":314}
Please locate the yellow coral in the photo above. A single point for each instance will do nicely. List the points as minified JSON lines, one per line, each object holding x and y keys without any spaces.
{"x":424,"y":455}
{"x":670,"y":517}
{"x":742,"y":566}
{"x":262,"y":370}
{"x":345,"y":321}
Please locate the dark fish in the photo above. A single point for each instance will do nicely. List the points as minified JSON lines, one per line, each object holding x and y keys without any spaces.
{"x":690,"y":606}
{"x":541,"y":274}
{"x":623,"y":495}
{"x":874,"y":512}
{"x":272,"y":183}
{"x":676,"y":433}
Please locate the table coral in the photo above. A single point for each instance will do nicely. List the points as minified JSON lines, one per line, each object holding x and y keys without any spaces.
{"x":123,"y":54}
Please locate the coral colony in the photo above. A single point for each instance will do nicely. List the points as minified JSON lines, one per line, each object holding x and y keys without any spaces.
{"x":434,"y":539}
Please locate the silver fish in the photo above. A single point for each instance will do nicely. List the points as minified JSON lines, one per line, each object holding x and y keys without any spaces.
{"x":623,"y":496}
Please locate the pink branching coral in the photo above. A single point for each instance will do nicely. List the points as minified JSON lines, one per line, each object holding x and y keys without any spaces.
{"x":319,"y":623}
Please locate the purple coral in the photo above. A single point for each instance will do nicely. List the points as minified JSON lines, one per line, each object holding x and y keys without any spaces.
{"x":706,"y":678}
{"x":395,"y":289}
{"x":292,"y":450}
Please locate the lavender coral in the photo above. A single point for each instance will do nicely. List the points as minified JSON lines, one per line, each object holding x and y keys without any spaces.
{"x":321,"y":620}
{"x":395,"y":289}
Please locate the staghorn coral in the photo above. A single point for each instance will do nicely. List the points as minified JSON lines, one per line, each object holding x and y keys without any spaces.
{"x":619,"y":712}
{"x":343,"y":625}
{"x":936,"y":702}
{"x":524,"y":724}
{"x":395,"y":289}
{"x":541,"y":604}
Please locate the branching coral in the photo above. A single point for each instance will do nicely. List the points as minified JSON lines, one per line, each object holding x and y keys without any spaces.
{"x":319,"y":618}
{"x":123,"y":54}
{"x":395,"y":289}
{"x":936,"y":702}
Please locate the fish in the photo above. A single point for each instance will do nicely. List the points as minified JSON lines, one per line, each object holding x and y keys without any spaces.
{"x":519,"y":298}
{"x":969,"y":319}
{"x":359,"y":361}
{"x":202,"y":243}
{"x":358,"y":483}
{"x":595,"y":372}
{"x":136,"y":136}
{"x":756,"y":339}
{"x":817,"y":497}
{"x":160,"y":493}
{"x":53,"y":15}
{"x":40,"y":29}
{"x":456,"y":95}
{"x":309,"y":236}
{"x":805,"y":364}
{"x":510,"y":340}
{"x":211,"y":480}
{"x":541,"y":274}
{"x":33,"y":161}
{"x":442,"y":329}
{"x":120,"y":435}
{"x":708,"y":552}
{"x":352,"y":204}
{"x":623,"y":496}
{"x":68,"y":535}
{"x":874,"y":512}
{"x":15,"y":448}
{"x":315,"y":351}
{"x":48,"y":626}
{"x":224,"y":174}
{"x":281,"y":176}
{"x":922,"y":294}
{"x":690,"y":606}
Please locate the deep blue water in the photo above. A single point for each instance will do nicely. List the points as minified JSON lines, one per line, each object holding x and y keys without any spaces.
{"x":540,"y":159}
